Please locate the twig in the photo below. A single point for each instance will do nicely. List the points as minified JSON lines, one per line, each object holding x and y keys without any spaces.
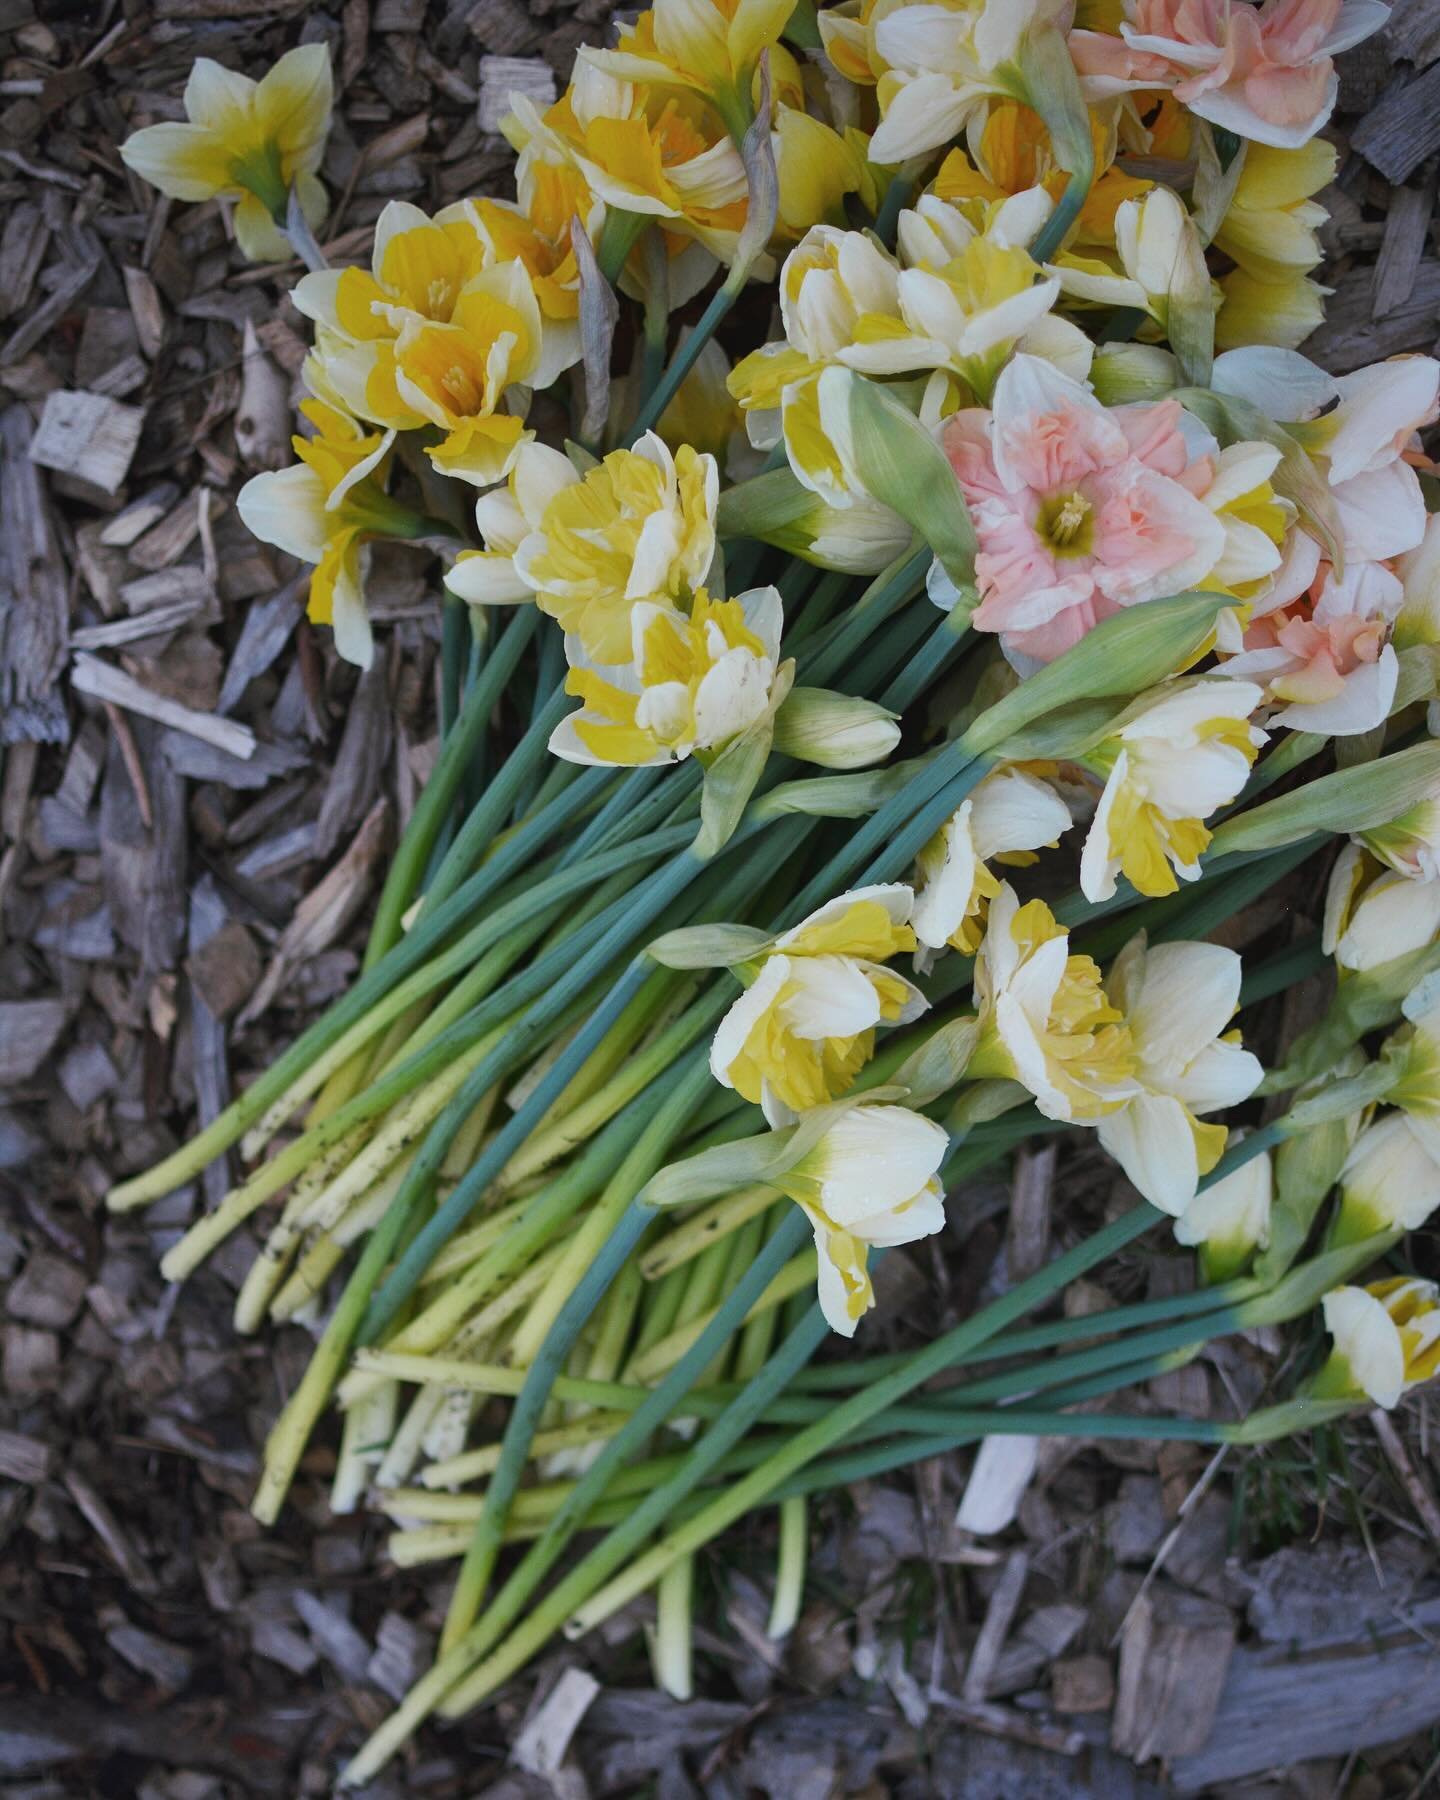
{"x":130,"y":755}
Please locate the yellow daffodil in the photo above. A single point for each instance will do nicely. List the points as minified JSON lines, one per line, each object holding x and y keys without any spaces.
{"x":1269,"y":230}
{"x":870,"y":1181}
{"x":1010,"y":815}
{"x":638,"y":526}
{"x":324,"y":510}
{"x":1181,"y":754}
{"x":817,"y":166}
{"x":1045,"y":1019}
{"x":663,"y":156}
{"x":709,"y":47}
{"x":1387,"y":1340}
{"x":1230,"y":1220}
{"x":805,"y":1026}
{"x":1014,"y":154}
{"x":1177,"y":1000}
{"x":1253,"y":516}
{"x":696,"y":680}
{"x":248,"y":141}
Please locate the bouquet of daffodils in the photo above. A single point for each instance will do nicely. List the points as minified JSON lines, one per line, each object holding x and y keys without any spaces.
{"x":904,"y":588}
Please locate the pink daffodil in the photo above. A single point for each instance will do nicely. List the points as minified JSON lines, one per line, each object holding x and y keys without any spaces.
{"x":1079,"y":509}
{"x":1265,"y":72}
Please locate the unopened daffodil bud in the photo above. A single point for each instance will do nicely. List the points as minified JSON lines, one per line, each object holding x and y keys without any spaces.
{"x":837,"y":731}
{"x":805,"y":1026}
{"x":1009,"y":815}
{"x":1230,"y":1220}
{"x":1177,"y":1001}
{"x":1374,"y":915}
{"x":1181,"y":754}
{"x":870,"y":1181}
{"x":1390,"y":1180}
{"x":249,"y":141}
{"x":325,"y":510}
{"x":1045,"y":1019}
{"x":1386,"y":1340}
{"x":1123,"y":373}
{"x":695,"y":681}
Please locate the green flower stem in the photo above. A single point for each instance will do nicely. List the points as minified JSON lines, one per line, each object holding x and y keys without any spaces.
{"x":549,"y":687}
{"x":291,"y":1432}
{"x":454,"y":651}
{"x":819,"y":608}
{"x":688,"y":351}
{"x":625,"y":1224}
{"x":892,"y":588}
{"x":888,"y":652}
{"x":662,"y":888}
{"x":660,"y":1309}
{"x":790,"y":1567}
{"x":506,"y":789}
{"x":899,"y":191}
{"x":1283,"y":971}
{"x":433,"y":807}
{"x":618,"y":237}
{"x":672,"y":1646}
{"x":927,"y":665}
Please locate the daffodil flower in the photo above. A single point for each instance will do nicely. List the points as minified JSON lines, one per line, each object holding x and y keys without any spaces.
{"x":1046,"y":1021}
{"x":1410,"y":842}
{"x":1386,"y":1340}
{"x":805,"y":1026}
{"x":1181,"y":754}
{"x":1230,"y":1220}
{"x":1269,"y":232}
{"x":1374,"y":914}
{"x":817,"y":167}
{"x":643,"y":152}
{"x":709,"y":47}
{"x":1391,"y":1178}
{"x":325,"y":510}
{"x":696,"y":681}
{"x":248,"y":141}
{"x":1010,"y":814}
{"x":869,"y":1182}
{"x":1177,"y":1001}
{"x":1161,"y":261}
{"x":640,"y":525}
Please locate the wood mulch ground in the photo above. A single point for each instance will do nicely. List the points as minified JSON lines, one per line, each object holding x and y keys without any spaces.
{"x":196,"y":802}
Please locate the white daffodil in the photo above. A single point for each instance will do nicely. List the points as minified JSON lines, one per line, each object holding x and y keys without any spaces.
{"x":1182,"y":754}
{"x":1391,"y":1178}
{"x":805,"y":1026}
{"x":1010,"y":814}
{"x":1410,"y":842}
{"x":1177,"y":1000}
{"x":1229,"y":1221}
{"x":870,"y":1181}
{"x":251,"y":141}
{"x":1250,"y":513}
{"x":638,"y":526}
{"x":1162,"y":262}
{"x":1387,"y":1340}
{"x":1045,"y":1019}
{"x":1374,"y":915}
{"x":696,"y":681}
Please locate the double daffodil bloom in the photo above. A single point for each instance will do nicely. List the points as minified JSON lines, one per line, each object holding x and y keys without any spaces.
{"x":1230,"y":1221}
{"x":870,"y":1181}
{"x":935,"y":66}
{"x":1162,"y":262}
{"x":1374,"y":915}
{"x":805,"y":1026}
{"x":638,"y":526}
{"x":428,"y":271}
{"x":816,"y":167}
{"x":324,"y":510}
{"x":1387,"y":1340}
{"x":696,"y":681}
{"x":660,"y":155}
{"x":1177,"y":1000}
{"x":1391,"y":1178}
{"x":1010,"y":815}
{"x":710,"y":47}
{"x":1179,"y":756}
{"x":248,"y":141}
{"x":1045,"y":1019}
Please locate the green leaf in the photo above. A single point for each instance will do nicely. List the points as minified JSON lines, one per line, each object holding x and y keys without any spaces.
{"x":1347,"y":801}
{"x":1122,"y":655}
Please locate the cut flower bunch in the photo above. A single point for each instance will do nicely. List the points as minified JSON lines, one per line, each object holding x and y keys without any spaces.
{"x":904,"y":590}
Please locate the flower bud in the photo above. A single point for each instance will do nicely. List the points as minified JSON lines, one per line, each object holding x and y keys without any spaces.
{"x":1389,"y":1182}
{"x":1387,"y":1340}
{"x":1229,"y":1221}
{"x":1375,"y":917}
{"x":1122,"y":373}
{"x":837,"y":731}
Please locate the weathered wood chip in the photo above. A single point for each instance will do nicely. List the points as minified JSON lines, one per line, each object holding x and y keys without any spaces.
{"x":89,"y":436}
{"x":29,"y":1031}
{"x":105,"y":682}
